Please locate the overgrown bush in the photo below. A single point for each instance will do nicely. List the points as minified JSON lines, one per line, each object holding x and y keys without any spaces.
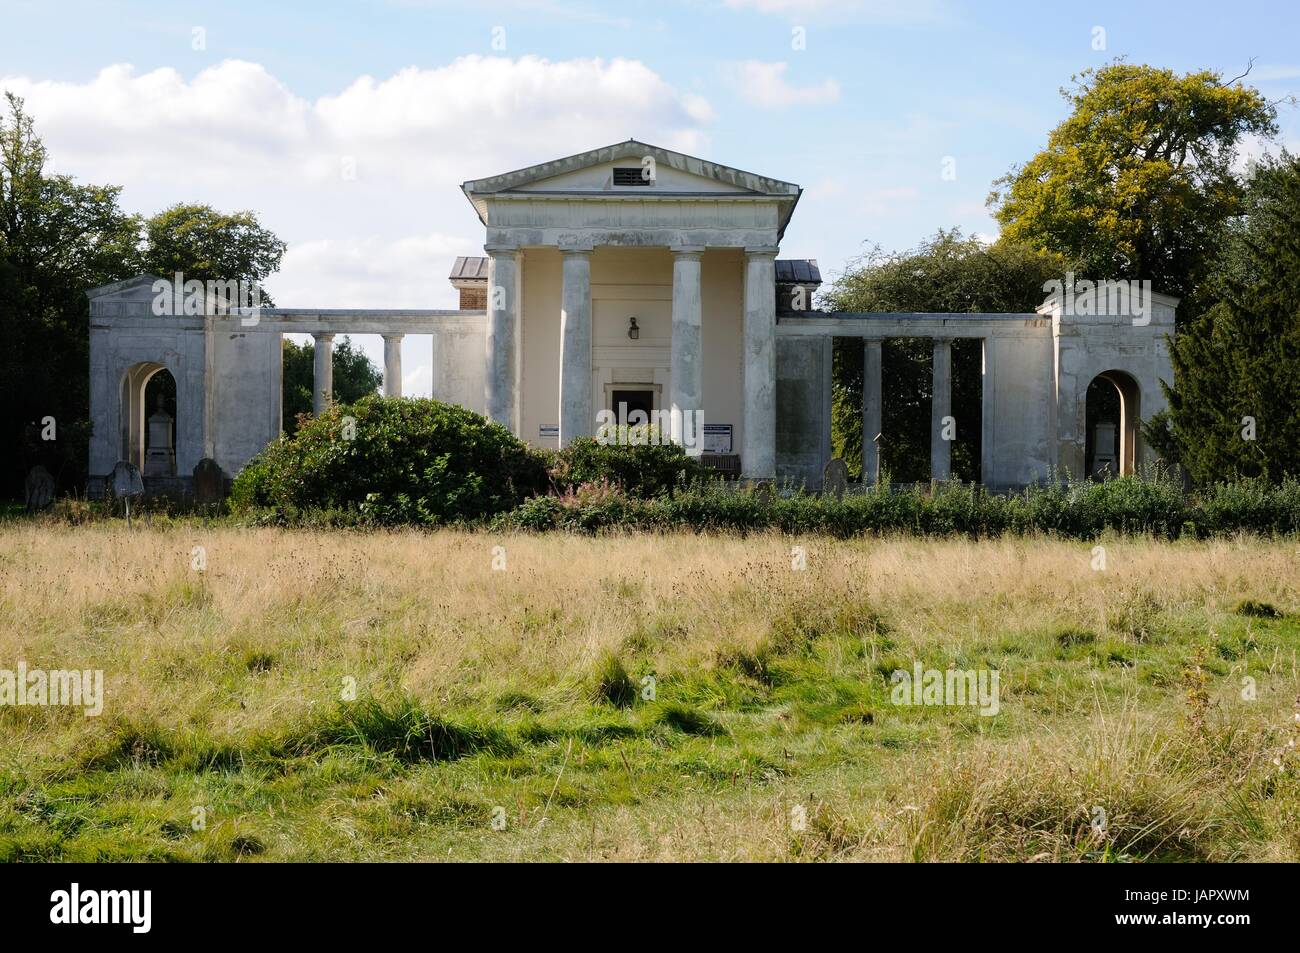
{"x":1083,"y":510}
{"x":389,"y":460}
{"x":635,"y":461}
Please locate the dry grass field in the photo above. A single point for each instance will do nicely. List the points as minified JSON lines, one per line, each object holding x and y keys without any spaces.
{"x":349,"y":695}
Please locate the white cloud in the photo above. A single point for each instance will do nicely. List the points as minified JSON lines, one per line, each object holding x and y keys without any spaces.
{"x":372,"y":272}
{"x":1270,"y":73}
{"x":484,"y":112}
{"x":226,"y":121}
{"x":237,"y":137}
{"x":764,"y":84}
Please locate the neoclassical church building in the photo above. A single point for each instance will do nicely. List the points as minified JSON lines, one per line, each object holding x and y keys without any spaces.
{"x":633,"y":279}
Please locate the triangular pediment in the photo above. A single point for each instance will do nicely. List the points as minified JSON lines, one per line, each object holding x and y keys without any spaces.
{"x":593,"y":171}
{"x":612,"y":176}
{"x":139,"y":287}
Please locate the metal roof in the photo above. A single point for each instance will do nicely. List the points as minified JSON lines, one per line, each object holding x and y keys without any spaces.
{"x":469,"y":269}
{"x":798,"y":271}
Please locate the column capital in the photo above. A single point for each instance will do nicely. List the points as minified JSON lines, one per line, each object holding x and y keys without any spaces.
{"x":761,"y":251}
{"x":574,"y":251}
{"x":325,"y":337}
{"x":686,"y":252}
{"x":394,"y":336}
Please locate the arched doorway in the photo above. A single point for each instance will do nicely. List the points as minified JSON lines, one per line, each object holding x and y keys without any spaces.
{"x":149,"y":419}
{"x":1111,"y":425}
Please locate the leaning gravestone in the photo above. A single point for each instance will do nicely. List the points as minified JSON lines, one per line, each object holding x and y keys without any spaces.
{"x":39,"y":489}
{"x":209,"y":482}
{"x":835,"y":478}
{"x":127,"y":484}
{"x":763,"y":492}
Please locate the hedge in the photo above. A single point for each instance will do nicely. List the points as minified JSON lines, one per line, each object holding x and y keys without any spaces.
{"x":1084,"y":510}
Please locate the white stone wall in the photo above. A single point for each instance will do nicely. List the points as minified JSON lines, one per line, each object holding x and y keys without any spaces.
{"x":247,"y":389}
{"x":458,"y":360}
{"x":228,"y":372}
{"x":1088,"y":345}
{"x":125,"y":333}
{"x":1019,"y":404}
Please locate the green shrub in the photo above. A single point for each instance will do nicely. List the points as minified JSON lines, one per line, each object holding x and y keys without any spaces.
{"x":408,"y":460}
{"x":1252,"y":505}
{"x":1080,"y":510}
{"x":644,"y":469}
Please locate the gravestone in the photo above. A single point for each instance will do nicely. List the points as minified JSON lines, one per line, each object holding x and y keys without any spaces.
{"x":1104,"y":461}
{"x":209,"y":482}
{"x":126,"y":481}
{"x":763,"y":492}
{"x":126,"y":484}
{"x":835,"y":478}
{"x":160,"y":457}
{"x":39,"y":489}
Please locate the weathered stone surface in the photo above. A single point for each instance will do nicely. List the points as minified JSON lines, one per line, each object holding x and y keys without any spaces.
{"x":803,"y":407}
{"x":835,"y":478}
{"x":758,"y":453}
{"x":209,"y":482}
{"x":126,"y":481}
{"x":39,"y":489}
{"x":576,"y":416}
{"x":687,"y":351}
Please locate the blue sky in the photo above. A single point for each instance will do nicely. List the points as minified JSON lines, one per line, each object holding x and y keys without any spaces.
{"x":419,"y":95}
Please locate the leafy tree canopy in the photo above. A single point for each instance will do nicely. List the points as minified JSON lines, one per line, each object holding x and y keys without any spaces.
{"x":1237,"y":365}
{"x":205,"y":244}
{"x":57,"y":239}
{"x":1138,"y":181}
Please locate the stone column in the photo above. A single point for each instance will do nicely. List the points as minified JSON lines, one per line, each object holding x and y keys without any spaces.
{"x":758,"y":455}
{"x":940,"y":449}
{"x":988,"y":415}
{"x":871,"y":409}
{"x":687,"y":353}
{"x":322,"y":386}
{"x":500,"y":394}
{"x":576,"y":415}
{"x":393,"y":365}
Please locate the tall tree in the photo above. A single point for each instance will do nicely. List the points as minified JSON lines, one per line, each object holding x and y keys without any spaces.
{"x":1237,"y":365}
{"x":948,"y":272}
{"x":1138,"y":182}
{"x":57,"y":239}
{"x":355,"y":376}
{"x":205,"y":244}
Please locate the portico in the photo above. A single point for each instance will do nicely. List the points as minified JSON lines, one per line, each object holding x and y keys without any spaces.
{"x":634,"y":269}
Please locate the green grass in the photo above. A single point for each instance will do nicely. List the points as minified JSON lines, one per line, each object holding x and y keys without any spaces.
{"x":651,"y":728}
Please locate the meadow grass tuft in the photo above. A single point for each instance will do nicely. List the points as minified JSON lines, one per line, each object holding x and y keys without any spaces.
{"x":612,"y":683}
